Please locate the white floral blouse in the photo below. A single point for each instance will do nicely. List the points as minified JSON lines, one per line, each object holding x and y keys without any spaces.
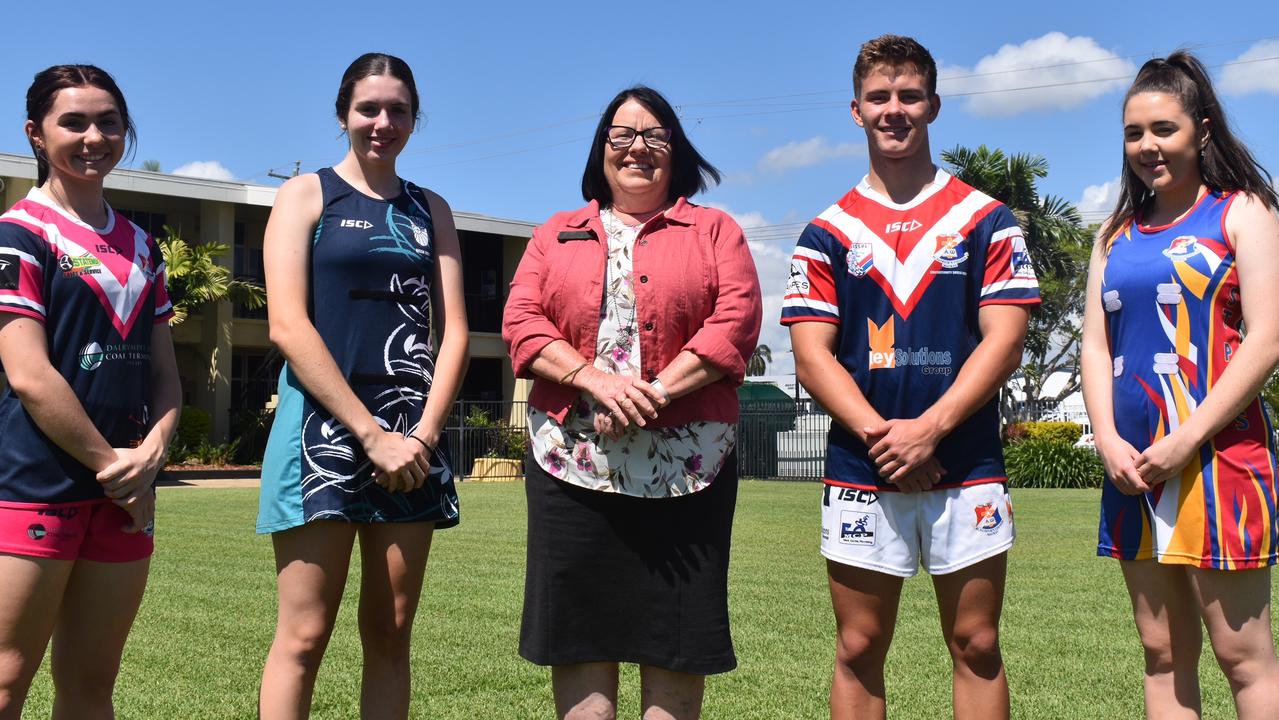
{"x":656,"y":462}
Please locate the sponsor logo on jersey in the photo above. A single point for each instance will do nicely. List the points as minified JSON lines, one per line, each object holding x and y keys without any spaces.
{"x":797,"y":283}
{"x":861,"y":257}
{"x":1022,"y":266}
{"x":93,"y":355}
{"x":1182,"y":247}
{"x":10,"y":270}
{"x":82,"y":265}
{"x":857,"y":528}
{"x":902,"y":226}
{"x":36,"y":531}
{"x":988,"y":518}
{"x":357,"y":224}
{"x":951,"y":250}
{"x":64,"y":513}
{"x":882,"y":353}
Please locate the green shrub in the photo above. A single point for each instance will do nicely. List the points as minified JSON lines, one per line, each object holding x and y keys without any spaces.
{"x":1063,"y":432}
{"x":1015,"y":432}
{"x":1039,"y":463}
{"x":194,"y":425}
{"x":206,"y":453}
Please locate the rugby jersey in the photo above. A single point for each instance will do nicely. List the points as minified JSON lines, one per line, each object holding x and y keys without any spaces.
{"x":98,"y":294}
{"x":904,"y":283}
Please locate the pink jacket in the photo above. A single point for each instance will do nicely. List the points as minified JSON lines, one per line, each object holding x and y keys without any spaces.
{"x":696,"y":289}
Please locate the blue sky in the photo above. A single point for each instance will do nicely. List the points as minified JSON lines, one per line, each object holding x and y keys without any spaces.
{"x":511,"y":91}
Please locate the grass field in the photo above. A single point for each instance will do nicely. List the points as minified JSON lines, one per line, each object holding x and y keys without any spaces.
{"x":201,"y":637}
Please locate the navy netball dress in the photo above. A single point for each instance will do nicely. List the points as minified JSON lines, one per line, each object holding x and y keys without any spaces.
{"x":372,"y":265}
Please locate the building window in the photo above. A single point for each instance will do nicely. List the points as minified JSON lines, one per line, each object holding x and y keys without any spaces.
{"x":482,"y":279}
{"x":483,"y":380}
{"x":247,"y":265}
{"x":153,"y":223}
{"x":254,"y":376}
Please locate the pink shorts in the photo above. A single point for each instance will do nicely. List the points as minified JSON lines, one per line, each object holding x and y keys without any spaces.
{"x":91,"y":530}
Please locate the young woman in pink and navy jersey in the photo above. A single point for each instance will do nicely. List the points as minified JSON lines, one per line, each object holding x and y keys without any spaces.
{"x":1189,"y":258}
{"x":91,"y":404}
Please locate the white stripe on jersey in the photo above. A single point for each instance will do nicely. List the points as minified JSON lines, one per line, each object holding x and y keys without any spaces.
{"x":812,"y":254}
{"x":799,"y":301}
{"x":1010,"y":284}
{"x":20,"y":301}
{"x":26,"y":257}
{"x":1005,"y":234}
{"x":905,"y":277}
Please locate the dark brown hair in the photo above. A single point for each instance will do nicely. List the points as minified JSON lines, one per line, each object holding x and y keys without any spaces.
{"x":1225,"y":163}
{"x":368,"y":65}
{"x":894,"y":50}
{"x":44,"y":88}
{"x":690,"y":172}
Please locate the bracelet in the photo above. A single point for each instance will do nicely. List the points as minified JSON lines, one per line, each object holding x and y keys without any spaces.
{"x":568,"y":377}
{"x":661,"y":390}
{"x":428,"y":447}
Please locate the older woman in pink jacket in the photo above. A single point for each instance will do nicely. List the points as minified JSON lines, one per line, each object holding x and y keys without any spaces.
{"x":635,"y":316}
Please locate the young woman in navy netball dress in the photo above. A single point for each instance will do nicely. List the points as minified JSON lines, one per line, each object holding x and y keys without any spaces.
{"x":1180,"y":333}
{"x":359,"y":265}
{"x":91,"y":405}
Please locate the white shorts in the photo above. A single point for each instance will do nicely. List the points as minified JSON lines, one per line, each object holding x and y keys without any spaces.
{"x":895,"y":532}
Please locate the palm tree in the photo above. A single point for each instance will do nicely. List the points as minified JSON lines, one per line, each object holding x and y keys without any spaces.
{"x":195,"y":277}
{"x":758,"y":364}
{"x":151,"y":165}
{"x":1059,"y":246}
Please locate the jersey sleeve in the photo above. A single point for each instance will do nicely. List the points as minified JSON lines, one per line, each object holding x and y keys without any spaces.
{"x":23,"y":255}
{"x":810,"y":288}
{"x":163,"y":305}
{"x":1009,"y":277}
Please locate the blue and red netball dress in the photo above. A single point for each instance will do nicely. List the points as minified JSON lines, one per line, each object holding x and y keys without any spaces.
{"x":1171,"y":299}
{"x":904,"y":283}
{"x":372,"y":267}
{"x":98,"y":293}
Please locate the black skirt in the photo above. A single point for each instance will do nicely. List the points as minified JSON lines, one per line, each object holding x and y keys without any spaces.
{"x":616,"y":578}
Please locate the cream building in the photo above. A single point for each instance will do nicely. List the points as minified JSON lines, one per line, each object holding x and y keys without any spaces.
{"x":224,"y":353}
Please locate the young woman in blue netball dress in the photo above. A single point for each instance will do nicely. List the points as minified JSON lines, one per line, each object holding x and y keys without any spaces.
{"x":359,"y":265}
{"x":91,"y":405}
{"x":1180,"y":333}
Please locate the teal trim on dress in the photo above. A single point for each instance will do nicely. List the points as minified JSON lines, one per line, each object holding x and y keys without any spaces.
{"x":280,"y":498}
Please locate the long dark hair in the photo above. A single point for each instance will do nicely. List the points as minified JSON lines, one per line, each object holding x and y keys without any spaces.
{"x":45,"y":87}
{"x":690,"y":172}
{"x":1225,"y":164}
{"x":370,"y":64}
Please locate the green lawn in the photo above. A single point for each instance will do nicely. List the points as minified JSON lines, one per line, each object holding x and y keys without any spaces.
{"x":208,"y":617}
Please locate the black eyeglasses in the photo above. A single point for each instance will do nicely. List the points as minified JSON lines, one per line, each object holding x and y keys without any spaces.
{"x":621,"y":137}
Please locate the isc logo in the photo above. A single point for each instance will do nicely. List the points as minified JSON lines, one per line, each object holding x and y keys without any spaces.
{"x":903,"y":226}
{"x":883,"y":354}
{"x":358,"y":224}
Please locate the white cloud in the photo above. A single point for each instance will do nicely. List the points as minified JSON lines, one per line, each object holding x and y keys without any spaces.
{"x":1257,"y":70}
{"x":1057,"y":71}
{"x":206,"y":169}
{"x":804,"y":153}
{"x":772,"y":262}
{"x":1099,"y":198}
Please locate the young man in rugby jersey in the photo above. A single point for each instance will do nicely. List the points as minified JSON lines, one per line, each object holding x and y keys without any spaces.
{"x":907,"y":303}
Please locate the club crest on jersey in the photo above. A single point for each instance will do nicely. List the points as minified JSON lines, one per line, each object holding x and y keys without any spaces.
{"x":857,"y":528}
{"x":861,"y":258}
{"x":1182,"y":247}
{"x":988,"y":518}
{"x":883,"y":353}
{"x":951,"y":250}
{"x":421,"y":235}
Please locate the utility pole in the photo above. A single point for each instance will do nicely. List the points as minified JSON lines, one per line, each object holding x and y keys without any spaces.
{"x":297,"y":168}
